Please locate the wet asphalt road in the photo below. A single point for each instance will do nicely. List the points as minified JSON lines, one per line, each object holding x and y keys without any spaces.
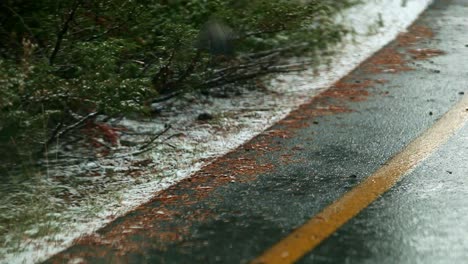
{"x":335,"y":142}
{"x":424,"y":219}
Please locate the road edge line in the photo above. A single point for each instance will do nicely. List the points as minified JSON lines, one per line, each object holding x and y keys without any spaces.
{"x":305,"y":238}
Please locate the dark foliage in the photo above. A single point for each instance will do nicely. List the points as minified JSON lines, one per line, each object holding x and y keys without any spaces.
{"x":61,"y":61}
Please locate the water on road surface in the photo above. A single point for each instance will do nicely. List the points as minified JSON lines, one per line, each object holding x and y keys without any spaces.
{"x":237,"y":208}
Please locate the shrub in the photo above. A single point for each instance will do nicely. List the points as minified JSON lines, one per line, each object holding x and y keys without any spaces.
{"x":62,"y":60}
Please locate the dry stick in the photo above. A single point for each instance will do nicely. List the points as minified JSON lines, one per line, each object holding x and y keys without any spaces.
{"x":267,"y":52}
{"x":56,"y":134}
{"x":151,"y":141}
{"x":269,"y":58}
{"x":175,"y":135}
{"x":224,"y":76}
{"x":137,"y":133}
{"x":141,"y":150}
{"x":75,"y":125}
{"x":222,"y":80}
{"x":165,"y":97}
{"x":170,"y":145}
{"x":147,"y":146}
{"x":263,"y":60}
{"x":149,"y":63}
{"x":266,"y":67}
{"x":262,"y":32}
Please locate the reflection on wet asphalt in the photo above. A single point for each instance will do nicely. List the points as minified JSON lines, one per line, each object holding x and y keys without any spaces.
{"x":241,"y":205}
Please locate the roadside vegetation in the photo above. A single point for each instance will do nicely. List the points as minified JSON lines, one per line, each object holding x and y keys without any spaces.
{"x":63,"y":63}
{"x":68,"y":66}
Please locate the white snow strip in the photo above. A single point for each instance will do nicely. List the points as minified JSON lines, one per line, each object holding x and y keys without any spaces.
{"x":241,"y":119}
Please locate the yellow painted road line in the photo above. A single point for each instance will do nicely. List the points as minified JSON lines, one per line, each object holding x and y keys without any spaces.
{"x":312,"y":233}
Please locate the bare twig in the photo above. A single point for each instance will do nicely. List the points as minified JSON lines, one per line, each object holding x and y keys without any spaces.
{"x":147,"y":146}
{"x":164,"y":98}
{"x":252,"y":73}
{"x":262,"y":32}
{"x":151,"y":141}
{"x":99,"y":142}
{"x":137,"y":133}
{"x":170,"y":145}
{"x":77,"y":124}
{"x":105,"y":32}
{"x":63,"y":31}
{"x":264,"y":60}
{"x":175,"y":135}
{"x":267,"y":52}
{"x":56,"y":134}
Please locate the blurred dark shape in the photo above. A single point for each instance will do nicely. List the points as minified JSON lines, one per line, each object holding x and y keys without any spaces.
{"x":205,"y":117}
{"x":217,"y":38}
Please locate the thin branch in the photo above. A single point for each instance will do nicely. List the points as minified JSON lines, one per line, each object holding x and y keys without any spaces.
{"x":247,"y":65}
{"x":170,"y":145}
{"x":77,"y":124}
{"x":63,"y":31}
{"x":151,"y":141}
{"x":164,"y":98}
{"x":263,"y":70}
{"x":147,"y":146}
{"x":175,"y":135}
{"x":56,"y":134}
{"x":267,"y":52}
{"x":262,"y":32}
{"x":137,"y":133}
{"x":247,"y":68}
{"x":53,"y":137}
